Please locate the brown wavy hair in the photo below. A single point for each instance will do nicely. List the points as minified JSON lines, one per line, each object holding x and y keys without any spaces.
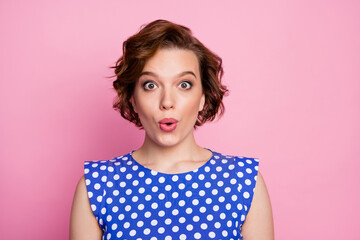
{"x":162,"y":34}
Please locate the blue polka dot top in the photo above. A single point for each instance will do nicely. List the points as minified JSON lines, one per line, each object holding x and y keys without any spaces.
{"x":130,"y":201}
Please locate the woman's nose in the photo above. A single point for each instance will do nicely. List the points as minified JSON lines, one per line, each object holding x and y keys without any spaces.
{"x":167,"y":100}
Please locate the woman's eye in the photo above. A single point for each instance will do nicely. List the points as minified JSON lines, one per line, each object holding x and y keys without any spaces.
{"x":185,"y":85}
{"x":149,"y":85}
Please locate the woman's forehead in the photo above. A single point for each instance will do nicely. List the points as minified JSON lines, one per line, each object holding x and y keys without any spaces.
{"x":172,"y":62}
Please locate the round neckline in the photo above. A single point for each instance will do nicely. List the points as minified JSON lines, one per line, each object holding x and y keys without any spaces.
{"x":173,"y":174}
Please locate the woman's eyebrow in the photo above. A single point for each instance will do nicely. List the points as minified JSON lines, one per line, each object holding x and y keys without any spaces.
{"x":186,"y":72}
{"x":179,"y":75}
{"x":148,"y":73}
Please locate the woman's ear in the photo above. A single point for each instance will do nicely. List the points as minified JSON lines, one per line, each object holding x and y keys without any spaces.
{"x":132,"y":101}
{"x":202,"y":102}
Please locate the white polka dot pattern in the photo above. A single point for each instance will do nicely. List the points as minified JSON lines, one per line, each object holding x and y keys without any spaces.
{"x":130,"y":201}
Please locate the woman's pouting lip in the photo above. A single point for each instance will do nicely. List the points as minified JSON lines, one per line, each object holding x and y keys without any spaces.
{"x":168,"y":124}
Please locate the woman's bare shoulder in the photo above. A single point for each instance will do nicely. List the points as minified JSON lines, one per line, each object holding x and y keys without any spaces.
{"x":83,"y":224}
{"x":259,"y":220}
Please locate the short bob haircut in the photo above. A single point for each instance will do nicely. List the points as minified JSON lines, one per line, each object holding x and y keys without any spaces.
{"x":162,"y":34}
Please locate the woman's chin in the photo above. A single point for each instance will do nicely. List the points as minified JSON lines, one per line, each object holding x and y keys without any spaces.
{"x":168,"y":142}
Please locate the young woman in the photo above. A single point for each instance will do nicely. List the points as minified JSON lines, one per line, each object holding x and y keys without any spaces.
{"x":168,"y":83}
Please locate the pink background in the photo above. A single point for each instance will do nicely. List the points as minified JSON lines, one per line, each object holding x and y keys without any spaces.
{"x":293,"y":68}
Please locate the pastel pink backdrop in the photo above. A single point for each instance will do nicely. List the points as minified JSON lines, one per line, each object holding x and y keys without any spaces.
{"x":292,"y":68}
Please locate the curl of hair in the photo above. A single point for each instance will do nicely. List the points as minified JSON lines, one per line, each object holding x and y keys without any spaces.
{"x":162,"y":34}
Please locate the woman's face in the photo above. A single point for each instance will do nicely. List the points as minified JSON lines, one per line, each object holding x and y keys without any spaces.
{"x":168,"y":96}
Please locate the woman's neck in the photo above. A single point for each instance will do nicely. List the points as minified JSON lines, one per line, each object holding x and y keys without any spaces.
{"x":182,"y":157}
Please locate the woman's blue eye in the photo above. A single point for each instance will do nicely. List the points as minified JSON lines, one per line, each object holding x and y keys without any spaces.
{"x":149,"y":85}
{"x":185,"y":85}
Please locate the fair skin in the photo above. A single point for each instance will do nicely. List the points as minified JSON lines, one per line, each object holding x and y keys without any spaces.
{"x":172,"y":90}
{"x":170,"y":87}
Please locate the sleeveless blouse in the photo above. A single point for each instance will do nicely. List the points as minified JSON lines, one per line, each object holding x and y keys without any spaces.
{"x":130,"y":201}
